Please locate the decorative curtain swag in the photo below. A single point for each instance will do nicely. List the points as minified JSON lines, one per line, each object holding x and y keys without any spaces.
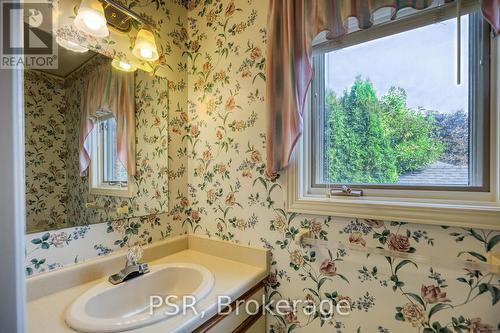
{"x":491,"y":12}
{"x":110,"y":91}
{"x":292,"y":26}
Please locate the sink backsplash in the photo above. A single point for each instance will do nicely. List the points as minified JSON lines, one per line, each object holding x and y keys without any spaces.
{"x":217,"y":187}
{"x":368,"y":282}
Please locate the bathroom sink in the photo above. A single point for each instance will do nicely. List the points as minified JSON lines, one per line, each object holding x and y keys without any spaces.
{"x":115,"y":308}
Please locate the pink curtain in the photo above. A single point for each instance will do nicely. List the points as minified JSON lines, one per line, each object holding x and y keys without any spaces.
{"x":491,"y":12}
{"x":292,"y":25}
{"x":111,"y":91}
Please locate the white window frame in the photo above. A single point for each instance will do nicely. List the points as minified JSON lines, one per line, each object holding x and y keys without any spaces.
{"x":96,"y":172}
{"x":453,"y":208}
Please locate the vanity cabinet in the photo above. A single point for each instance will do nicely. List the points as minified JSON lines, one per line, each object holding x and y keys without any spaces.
{"x":236,"y":319}
{"x":258,"y":326}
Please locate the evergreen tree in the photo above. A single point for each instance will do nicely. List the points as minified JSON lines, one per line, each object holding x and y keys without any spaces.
{"x":358,"y":149}
{"x":368,"y":140}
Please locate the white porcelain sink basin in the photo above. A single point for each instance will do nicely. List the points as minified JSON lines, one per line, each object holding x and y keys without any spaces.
{"x":116,"y":308}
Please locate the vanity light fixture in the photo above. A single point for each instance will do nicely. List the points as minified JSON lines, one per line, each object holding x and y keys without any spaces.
{"x":123,"y":66}
{"x":91,"y":20}
{"x":145,"y":46}
{"x":70,"y":45}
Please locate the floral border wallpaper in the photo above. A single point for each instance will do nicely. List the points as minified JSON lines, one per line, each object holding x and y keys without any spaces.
{"x":54,"y":249}
{"x":218,"y":187}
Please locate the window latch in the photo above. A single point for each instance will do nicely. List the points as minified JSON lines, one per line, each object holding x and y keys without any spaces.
{"x":346,"y":191}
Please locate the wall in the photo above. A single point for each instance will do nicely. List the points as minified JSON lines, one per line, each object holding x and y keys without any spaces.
{"x":150,"y":184}
{"x":162,"y":104}
{"x":235,"y":201}
{"x":219,"y":189}
{"x":45,"y":154}
{"x":57,"y":194}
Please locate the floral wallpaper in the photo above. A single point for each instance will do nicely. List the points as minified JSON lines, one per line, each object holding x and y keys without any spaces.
{"x":45,"y":151}
{"x":150,"y":187}
{"x":56,"y":193}
{"x":158,"y":102}
{"x":162,"y":119}
{"x":54,"y":249}
{"x":231,"y":198}
{"x":218,"y":187}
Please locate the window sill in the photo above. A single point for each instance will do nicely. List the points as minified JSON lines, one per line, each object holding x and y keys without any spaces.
{"x":460,"y":215}
{"x":472,"y":209}
{"x":111,"y":192}
{"x":478,"y":210}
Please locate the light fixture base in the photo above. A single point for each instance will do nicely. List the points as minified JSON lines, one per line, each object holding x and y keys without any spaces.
{"x":117,"y":19}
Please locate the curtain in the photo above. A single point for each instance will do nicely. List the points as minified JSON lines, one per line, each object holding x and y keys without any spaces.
{"x":491,"y":12}
{"x":292,"y":25}
{"x":107,"y":90}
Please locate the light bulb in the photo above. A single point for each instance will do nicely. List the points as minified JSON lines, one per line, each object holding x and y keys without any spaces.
{"x":124,"y":65}
{"x":146,"y":53}
{"x":92,"y":21}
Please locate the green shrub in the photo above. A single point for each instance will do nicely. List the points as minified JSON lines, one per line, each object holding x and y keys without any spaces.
{"x":375,"y":141}
{"x":413,"y":134}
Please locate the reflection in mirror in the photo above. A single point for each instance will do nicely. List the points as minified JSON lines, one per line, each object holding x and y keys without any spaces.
{"x":96,"y":142}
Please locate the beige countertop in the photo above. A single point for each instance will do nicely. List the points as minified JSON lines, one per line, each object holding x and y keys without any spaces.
{"x":245,"y":267}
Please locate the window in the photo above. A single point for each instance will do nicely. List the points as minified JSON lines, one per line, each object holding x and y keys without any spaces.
{"x":391,"y":114}
{"x":387,"y":118}
{"x":108,"y":175}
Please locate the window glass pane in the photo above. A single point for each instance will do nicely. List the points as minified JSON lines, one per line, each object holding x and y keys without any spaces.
{"x":393,"y":112}
{"x":113,"y":167}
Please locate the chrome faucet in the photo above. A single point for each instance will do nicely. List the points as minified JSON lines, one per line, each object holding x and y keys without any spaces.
{"x":133,"y":267}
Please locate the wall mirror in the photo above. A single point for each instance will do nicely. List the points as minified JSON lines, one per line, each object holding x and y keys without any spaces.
{"x":96,"y":137}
